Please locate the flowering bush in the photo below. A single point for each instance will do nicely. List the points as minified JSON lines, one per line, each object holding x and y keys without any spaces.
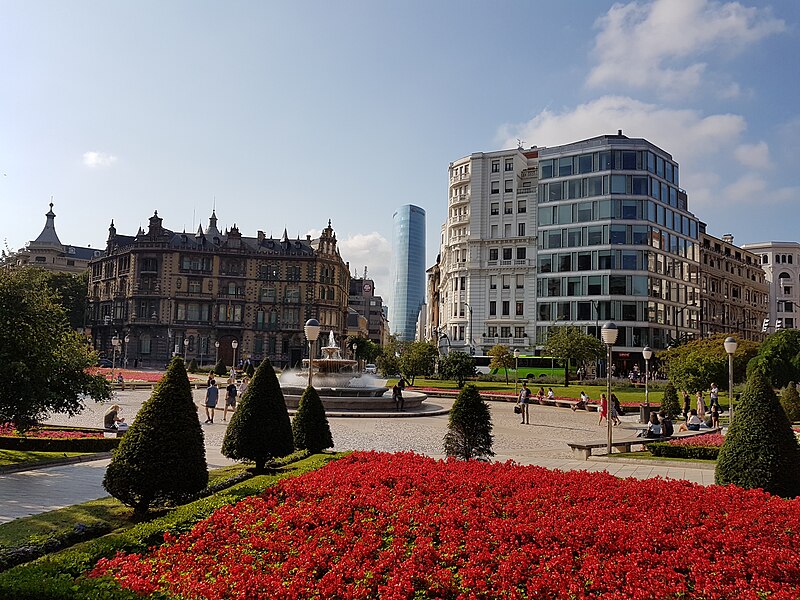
{"x":8,"y":429}
{"x":709,"y":440}
{"x":405,"y":526}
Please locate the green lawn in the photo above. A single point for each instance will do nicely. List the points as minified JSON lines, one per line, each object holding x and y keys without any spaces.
{"x":33,"y":457}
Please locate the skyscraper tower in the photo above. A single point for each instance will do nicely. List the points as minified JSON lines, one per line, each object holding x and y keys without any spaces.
{"x":408,"y":270}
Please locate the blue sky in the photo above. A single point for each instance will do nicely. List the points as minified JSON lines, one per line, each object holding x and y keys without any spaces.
{"x":289,"y":114}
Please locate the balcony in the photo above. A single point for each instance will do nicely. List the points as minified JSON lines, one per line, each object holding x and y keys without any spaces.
{"x":147,"y":289}
{"x":455,"y":179}
{"x":459,"y":199}
{"x":458,"y":219}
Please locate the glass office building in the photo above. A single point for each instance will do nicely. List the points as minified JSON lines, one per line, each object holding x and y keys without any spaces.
{"x":616,"y":242}
{"x":408,"y":270}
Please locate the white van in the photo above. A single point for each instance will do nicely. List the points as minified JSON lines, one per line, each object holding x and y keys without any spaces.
{"x":370,"y":368}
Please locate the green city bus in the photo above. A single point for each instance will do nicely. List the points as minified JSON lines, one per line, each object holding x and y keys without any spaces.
{"x":530,"y":366}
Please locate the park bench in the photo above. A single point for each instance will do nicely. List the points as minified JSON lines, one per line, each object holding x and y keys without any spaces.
{"x":624,"y":444}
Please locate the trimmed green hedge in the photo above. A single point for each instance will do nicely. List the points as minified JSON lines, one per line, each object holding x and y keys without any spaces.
{"x":688,"y":452}
{"x":60,"y":576}
{"x":12,"y":442}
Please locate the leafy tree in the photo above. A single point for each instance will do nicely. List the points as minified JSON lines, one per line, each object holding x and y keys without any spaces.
{"x":697,"y":364}
{"x":569,"y":343}
{"x":458,"y":366}
{"x":778,"y":358}
{"x":419,"y":358}
{"x":469,"y":431}
{"x":71,"y":289}
{"x":192,"y":368}
{"x":220,"y":368}
{"x":388,"y":361}
{"x":45,"y":364}
{"x":790,"y":401}
{"x":310,"y":424}
{"x":760,"y":449}
{"x":670,"y":403}
{"x":501,"y":358}
{"x":161,"y":460}
{"x":367,"y":351}
{"x":260,"y":429}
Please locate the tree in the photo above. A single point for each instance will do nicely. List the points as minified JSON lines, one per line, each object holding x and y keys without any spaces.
{"x":250,"y":370}
{"x":220,"y":368}
{"x":697,"y":364}
{"x":501,"y":358}
{"x":469,"y":431}
{"x":192,"y":368}
{"x":778,"y":358}
{"x":260,"y":429}
{"x":310,"y":426}
{"x":458,"y":366}
{"x":569,"y":343}
{"x":388,"y":361}
{"x":71,"y":289}
{"x":161,"y":460}
{"x":790,"y":401}
{"x":760,"y":449}
{"x":367,"y":351}
{"x":669,"y":402}
{"x":45,"y":364}
{"x":419,"y":358}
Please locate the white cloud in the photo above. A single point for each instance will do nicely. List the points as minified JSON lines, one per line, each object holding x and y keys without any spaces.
{"x":95,"y":160}
{"x":685,"y":133}
{"x":753,"y":155}
{"x":657,"y":45}
{"x":752,"y":189}
{"x":373,"y":251}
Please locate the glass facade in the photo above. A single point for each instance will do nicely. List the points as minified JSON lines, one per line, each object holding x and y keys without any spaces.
{"x":616,"y":242}
{"x":408,"y":270}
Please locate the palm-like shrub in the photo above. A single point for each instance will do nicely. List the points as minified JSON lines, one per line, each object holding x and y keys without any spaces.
{"x":310,"y":424}
{"x":790,"y":401}
{"x":161,"y":460}
{"x":760,"y":449}
{"x":469,"y":431}
{"x":260,"y":429}
{"x":669,"y":402}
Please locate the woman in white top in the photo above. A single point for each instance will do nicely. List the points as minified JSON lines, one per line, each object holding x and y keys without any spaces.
{"x":701,"y":406}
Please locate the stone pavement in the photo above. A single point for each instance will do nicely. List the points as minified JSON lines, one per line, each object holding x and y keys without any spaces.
{"x":542,"y":443}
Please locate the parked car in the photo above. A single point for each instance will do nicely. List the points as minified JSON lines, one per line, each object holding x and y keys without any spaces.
{"x":105,"y":362}
{"x":370,"y":368}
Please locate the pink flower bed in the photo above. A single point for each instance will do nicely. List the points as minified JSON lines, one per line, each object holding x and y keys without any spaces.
{"x":8,"y":429}
{"x":709,"y":440}
{"x":397,"y":526}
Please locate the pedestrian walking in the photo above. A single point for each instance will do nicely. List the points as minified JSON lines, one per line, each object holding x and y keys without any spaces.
{"x":524,"y":401}
{"x":701,"y":406}
{"x":231,"y":392}
{"x":687,"y":405}
{"x":212,"y":395}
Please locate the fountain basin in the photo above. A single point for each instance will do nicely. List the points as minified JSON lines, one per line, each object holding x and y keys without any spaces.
{"x":354,"y":399}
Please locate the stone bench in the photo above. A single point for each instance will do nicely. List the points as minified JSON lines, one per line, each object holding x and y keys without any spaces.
{"x":584,"y":449}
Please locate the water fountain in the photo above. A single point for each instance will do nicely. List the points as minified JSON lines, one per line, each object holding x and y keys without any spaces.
{"x":340,"y":386}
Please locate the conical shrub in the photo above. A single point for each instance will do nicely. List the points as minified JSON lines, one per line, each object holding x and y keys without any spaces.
{"x":220,"y":368}
{"x":310,"y":424}
{"x":469,"y":431}
{"x":161,"y":460}
{"x":260,"y":429}
{"x":760,"y":449}
{"x":790,"y":401}
{"x":669,"y":403}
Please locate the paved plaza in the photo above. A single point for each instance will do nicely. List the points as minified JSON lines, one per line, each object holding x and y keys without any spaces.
{"x":542,"y":443}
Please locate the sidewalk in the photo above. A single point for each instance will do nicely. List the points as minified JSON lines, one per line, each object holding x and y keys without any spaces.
{"x":543,"y":443}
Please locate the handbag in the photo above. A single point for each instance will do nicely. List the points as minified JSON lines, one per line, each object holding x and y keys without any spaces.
{"x":517,"y":409}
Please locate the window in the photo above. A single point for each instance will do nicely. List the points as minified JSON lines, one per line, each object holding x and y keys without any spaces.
{"x":493,"y":253}
{"x":492,"y":308}
{"x":521,"y":253}
{"x":495,"y":187}
{"x":521,"y":206}
{"x":507,"y":252}
{"x":521,"y":229}
{"x":494,"y":208}
{"x":492,"y":282}
{"x":495,"y":166}
{"x":545,"y":264}
{"x":506,"y":308}
{"x":509,"y":164}
{"x":509,"y":187}
{"x":565,"y":166}
{"x":520,"y":309}
{"x":493,"y":233}
{"x":519,"y":332}
{"x":506,"y":282}
{"x":520,"y":281}
{"x":508,"y":208}
{"x":505,"y":331}
{"x":585,"y":163}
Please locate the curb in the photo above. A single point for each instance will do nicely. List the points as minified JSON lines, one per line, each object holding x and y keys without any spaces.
{"x":676,"y":464}
{"x":54,"y":463}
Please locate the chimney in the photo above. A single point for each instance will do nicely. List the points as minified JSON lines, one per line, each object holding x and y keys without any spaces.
{"x":619,"y":132}
{"x":728,"y":238}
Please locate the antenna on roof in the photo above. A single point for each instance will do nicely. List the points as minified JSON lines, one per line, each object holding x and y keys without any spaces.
{"x":520,"y":144}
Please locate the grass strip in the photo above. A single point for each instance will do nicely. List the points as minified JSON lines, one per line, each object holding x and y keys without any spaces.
{"x":21,"y":458}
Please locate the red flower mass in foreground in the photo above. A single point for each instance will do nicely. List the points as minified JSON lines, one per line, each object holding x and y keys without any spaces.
{"x":405,"y":526}
{"x":9,"y":429}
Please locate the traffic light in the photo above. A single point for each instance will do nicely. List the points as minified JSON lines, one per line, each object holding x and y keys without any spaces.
{"x":778,"y":324}
{"x":765,"y":326}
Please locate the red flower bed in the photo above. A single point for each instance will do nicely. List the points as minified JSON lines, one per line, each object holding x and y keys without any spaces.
{"x":404,"y":526}
{"x":8,"y":429}
{"x":709,"y":440}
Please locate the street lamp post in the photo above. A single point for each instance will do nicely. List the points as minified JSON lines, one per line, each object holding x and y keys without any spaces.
{"x":216,"y":352}
{"x":234,"y":345}
{"x":647,"y":353}
{"x":311,"y":329}
{"x":127,"y":341}
{"x":185,"y":348}
{"x":730,"y":347}
{"x":471,"y":337}
{"x":610,"y":333}
{"x":516,"y":370}
{"x":114,"y":345}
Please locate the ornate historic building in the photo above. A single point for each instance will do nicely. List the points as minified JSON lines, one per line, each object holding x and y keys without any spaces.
{"x":212,"y":295}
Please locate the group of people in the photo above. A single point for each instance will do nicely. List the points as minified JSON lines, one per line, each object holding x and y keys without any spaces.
{"x":616,"y":409}
{"x":659,"y":425}
{"x":708,"y":415}
{"x":525,"y":400}
{"x":232,"y":393}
